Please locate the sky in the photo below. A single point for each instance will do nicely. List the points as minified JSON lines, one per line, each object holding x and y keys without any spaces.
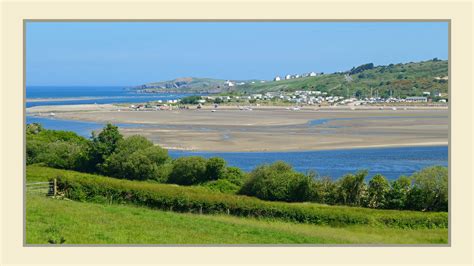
{"x":134,"y":53}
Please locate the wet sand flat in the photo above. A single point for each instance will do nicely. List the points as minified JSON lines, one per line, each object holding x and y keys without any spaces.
{"x":277,"y":129}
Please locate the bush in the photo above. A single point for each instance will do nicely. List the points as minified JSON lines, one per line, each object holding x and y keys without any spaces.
{"x":62,"y":155}
{"x":136,"y":158}
{"x":215,"y":168}
{"x":377,"y":192}
{"x":397,"y":195}
{"x":222,"y":185}
{"x":234,"y":175}
{"x":55,"y":148}
{"x":86,"y":187}
{"x":188,"y":171}
{"x":429,"y":190}
{"x":103,"y":145}
{"x":194,"y":99}
{"x":352,"y":189}
{"x":278,"y":182}
{"x":325,"y":190}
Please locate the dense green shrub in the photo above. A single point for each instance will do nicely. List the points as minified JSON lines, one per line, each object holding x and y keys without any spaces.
{"x":234,"y":175}
{"x":62,"y":155}
{"x":188,"y":171}
{"x":194,"y":99}
{"x":136,"y":158}
{"x":86,"y":187}
{"x":325,"y":190}
{"x":397,"y":195}
{"x":278,"y":181}
{"x":222,"y":185}
{"x":352,"y":189}
{"x":215,"y":168}
{"x":429,"y":190}
{"x":377,"y":192}
{"x":55,"y":148}
{"x":103,"y":145}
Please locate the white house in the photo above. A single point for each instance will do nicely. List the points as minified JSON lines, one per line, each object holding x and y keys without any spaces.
{"x":426,"y":93}
{"x":277,"y":78}
{"x":416,"y":99}
{"x":229,"y":83}
{"x":312,"y":74}
{"x":288,"y":76}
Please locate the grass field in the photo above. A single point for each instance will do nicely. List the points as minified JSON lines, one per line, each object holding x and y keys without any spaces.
{"x":50,"y":219}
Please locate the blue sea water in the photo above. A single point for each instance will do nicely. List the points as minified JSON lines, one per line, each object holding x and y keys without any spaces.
{"x":101,"y":95}
{"x":82,"y":128}
{"x":391,"y":162}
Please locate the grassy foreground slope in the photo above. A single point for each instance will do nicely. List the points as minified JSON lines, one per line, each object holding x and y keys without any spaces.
{"x":50,"y":219}
{"x":94,"y":188}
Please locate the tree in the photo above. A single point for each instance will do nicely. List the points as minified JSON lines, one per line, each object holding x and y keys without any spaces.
{"x":352,"y":188}
{"x":34,"y":128}
{"x":104,"y":144}
{"x":377,"y":191}
{"x":188,"y":171}
{"x":429,"y":190}
{"x":145,"y":164}
{"x":278,"y":181}
{"x":63,"y":155}
{"x":136,"y":158}
{"x":325,"y":190}
{"x":194,"y":99}
{"x":55,"y":148}
{"x":234,"y":175}
{"x":397,"y":195}
{"x":215,"y":168}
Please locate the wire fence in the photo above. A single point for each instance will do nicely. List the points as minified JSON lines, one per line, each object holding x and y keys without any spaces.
{"x":49,"y":188}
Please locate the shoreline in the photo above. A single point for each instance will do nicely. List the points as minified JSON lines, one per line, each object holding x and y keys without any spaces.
{"x":408,"y":145}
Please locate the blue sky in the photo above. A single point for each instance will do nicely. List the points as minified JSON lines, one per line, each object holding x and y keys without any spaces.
{"x":133,"y":53}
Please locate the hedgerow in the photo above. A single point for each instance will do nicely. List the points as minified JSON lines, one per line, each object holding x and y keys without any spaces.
{"x":87,"y":187}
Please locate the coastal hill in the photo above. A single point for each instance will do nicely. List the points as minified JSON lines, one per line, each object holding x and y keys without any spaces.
{"x":189,"y":84}
{"x":398,"y":80}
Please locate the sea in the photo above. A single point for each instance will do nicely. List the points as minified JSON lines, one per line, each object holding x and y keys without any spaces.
{"x":61,"y":95}
{"x":391,"y":162}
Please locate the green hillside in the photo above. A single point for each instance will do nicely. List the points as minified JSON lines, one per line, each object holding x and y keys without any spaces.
{"x":398,"y":80}
{"x":187,"y":85}
{"x":410,"y":79}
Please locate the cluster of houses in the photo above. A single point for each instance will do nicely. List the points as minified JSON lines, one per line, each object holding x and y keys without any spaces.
{"x":299,"y":97}
{"x":295,"y":76}
{"x":155,"y":106}
{"x":230,"y":83}
{"x":317,"y":98}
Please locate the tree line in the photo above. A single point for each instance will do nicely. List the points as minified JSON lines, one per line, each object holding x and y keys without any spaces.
{"x":136,"y":158}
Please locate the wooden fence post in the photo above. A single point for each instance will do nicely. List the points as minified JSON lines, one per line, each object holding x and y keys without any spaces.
{"x":55,"y":188}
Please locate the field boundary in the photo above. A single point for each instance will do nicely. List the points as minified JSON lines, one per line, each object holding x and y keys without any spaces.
{"x":50,"y":187}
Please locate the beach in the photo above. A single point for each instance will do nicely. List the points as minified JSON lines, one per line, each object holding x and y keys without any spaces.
{"x":270,"y":128}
